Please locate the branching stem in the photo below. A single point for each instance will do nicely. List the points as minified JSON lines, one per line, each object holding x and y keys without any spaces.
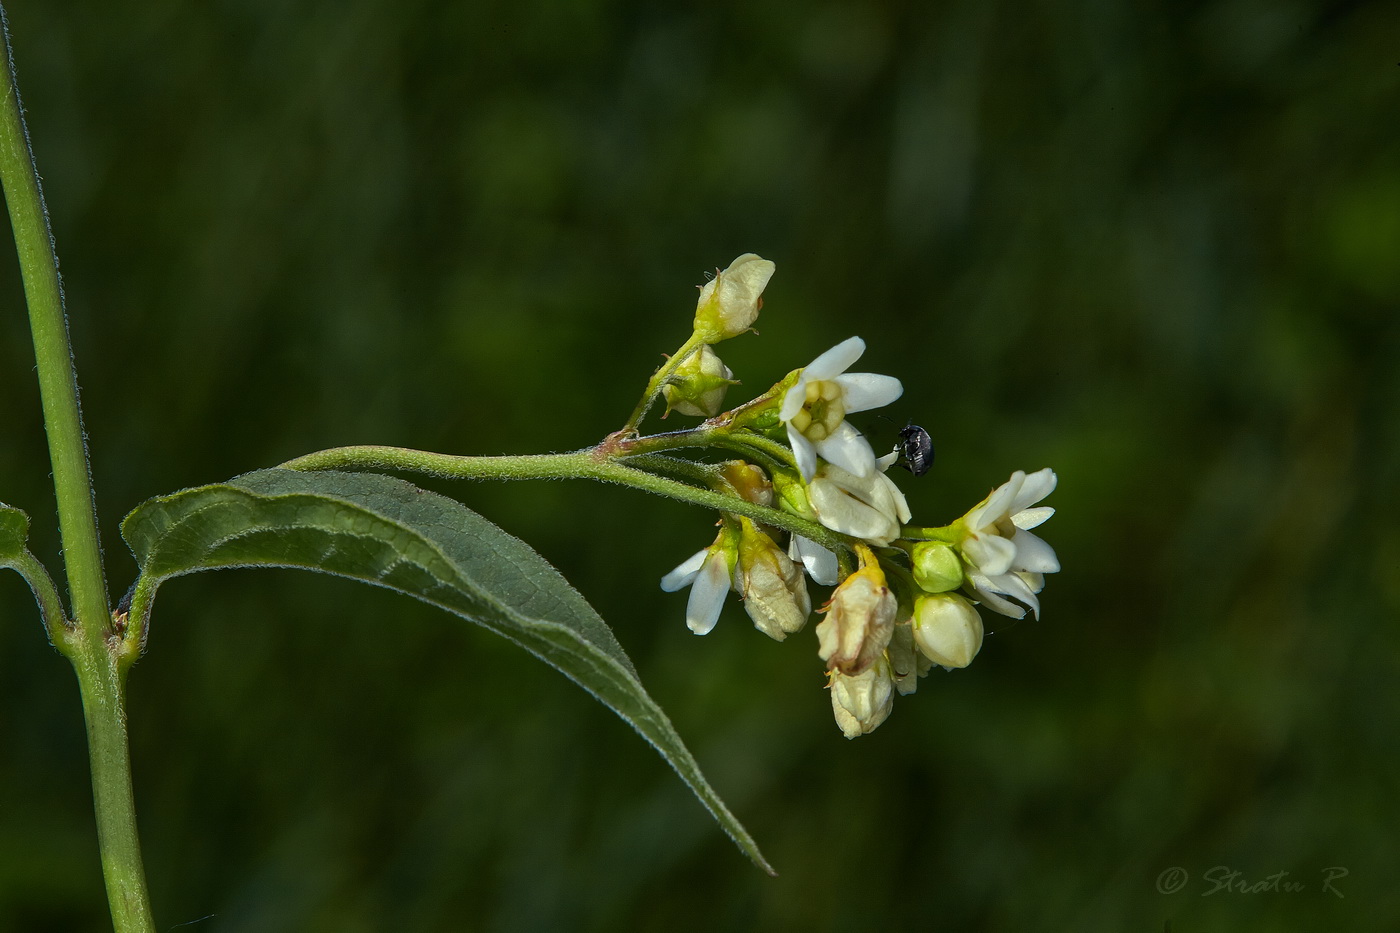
{"x":90,"y":646}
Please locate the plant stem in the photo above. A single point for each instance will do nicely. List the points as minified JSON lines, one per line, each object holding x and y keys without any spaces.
{"x":99,"y":678}
{"x":581,"y":464}
{"x":947,"y":534}
{"x":658,"y":379}
{"x":45,"y":593}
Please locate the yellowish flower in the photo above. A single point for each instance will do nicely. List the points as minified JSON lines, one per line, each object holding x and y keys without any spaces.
{"x":859,"y":620}
{"x":729,"y":302}
{"x":772,"y":586}
{"x":861,"y":702}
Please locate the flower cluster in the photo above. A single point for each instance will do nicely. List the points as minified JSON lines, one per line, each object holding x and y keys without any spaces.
{"x":907,"y":598}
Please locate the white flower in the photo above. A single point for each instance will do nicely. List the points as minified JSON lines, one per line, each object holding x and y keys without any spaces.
{"x":1005,"y":561}
{"x":815,"y":410}
{"x":859,"y":621}
{"x":729,"y":302}
{"x":862,"y":701}
{"x":947,"y":629}
{"x":870,"y":508}
{"x":772,"y":586}
{"x":708,"y":574}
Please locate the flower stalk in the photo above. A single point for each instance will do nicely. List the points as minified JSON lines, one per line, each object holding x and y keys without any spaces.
{"x":590,"y":463}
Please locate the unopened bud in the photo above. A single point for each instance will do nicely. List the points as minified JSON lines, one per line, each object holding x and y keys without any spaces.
{"x":937,"y":567}
{"x":792,"y":495}
{"x":859,"y":621}
{"x":698,"y":385}
{"x":947,"y":629}
{"x":861,"y":702}
{"x":748,"y":480}
{"x":773,"y":587}
{"x":729,"y":302}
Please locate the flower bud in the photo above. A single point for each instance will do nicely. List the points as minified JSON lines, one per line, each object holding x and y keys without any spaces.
{"x":748,"y":480}
{"x":729,"y":302}
{"x":859,"y":621}
{"x":863,"y":701}
{"x":772,"y":586}
{"x":792,"y":495}
{"x":698,"y":385}
{"x":947,"y":629}
{"x":937,"y":567}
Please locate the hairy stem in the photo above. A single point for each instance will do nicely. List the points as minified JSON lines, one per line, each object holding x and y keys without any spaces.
{"x":658,"y":380}
{"x":89,"y":646}
{"x":45,"y":593}
{"x":581,"y":464}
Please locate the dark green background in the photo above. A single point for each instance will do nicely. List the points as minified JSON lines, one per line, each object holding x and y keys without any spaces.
{"x":1153,"y":245}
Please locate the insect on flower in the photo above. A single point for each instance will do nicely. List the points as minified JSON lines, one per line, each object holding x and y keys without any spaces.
{"x":917,"y":448}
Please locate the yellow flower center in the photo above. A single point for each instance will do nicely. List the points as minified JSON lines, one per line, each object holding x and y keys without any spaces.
{"x":822,"y":412}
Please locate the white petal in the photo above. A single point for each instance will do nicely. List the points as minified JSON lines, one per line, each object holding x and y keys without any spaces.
{"x":1038,"y":485}
{"x":1029,"y":518}
{"x":1033,"y":554}
{"x":863,"y":391}
{"x":987,"y":595}
{"x":1016,"y":588}
{"x":820,"y":563}
{"x":707,"y":595}
{"x":1010,"y":587}
{"x":794,"y":399}
{"x":1034,"y":582}
{"x":901,"y":504}
{"x":997,"y":504}
{"x":836,"y":360}
{"x":805,"y":453}
{"x":750,"y":273}
{"x":848,"y":449}
{"x":685,"y":574}
{"x":850,"y":516}
{"x":991,"y":554}
{"x":887,"y":461}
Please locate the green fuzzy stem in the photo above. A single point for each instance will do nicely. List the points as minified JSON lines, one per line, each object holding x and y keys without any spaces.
{"x":591,"y":464}
{"x":45,"y":593}
{"x":658,"y":380}
{"x":88,"y":645}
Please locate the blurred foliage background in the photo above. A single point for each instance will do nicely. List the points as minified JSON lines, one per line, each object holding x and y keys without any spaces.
{"x":1153,"y":245}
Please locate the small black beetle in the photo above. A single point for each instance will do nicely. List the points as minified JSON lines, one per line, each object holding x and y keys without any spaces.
{"x":917,"y":448}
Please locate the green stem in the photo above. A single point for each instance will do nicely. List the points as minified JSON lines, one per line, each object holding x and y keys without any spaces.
{"x":89,"y":647}
{"x":45,"y":594}
{"x":581,"y":464}
{"x":947,"y":534}
{"x":658,"y":380}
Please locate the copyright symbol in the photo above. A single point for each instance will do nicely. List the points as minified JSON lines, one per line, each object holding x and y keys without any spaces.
{"x":1171,"y":880}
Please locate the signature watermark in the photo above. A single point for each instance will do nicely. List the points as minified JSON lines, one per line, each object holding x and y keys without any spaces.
{"x":1222,"y":879}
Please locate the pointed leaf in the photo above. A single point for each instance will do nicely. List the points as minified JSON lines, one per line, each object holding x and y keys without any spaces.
{"x":387,"y":532}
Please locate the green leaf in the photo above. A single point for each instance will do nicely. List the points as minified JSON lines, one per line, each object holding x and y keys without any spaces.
{"x":387,"y":532}
{"x":14,"y":532}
